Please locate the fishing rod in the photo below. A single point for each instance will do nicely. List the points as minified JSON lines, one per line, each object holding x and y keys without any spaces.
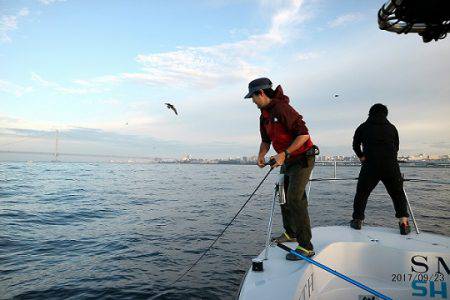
{"x":334,"y":272}
{"x":271,"y":163}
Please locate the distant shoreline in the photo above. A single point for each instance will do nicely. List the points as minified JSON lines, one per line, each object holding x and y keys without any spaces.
{"x":34,"y":156}
{"x":234,"y":163}
{"x":330,"y":164}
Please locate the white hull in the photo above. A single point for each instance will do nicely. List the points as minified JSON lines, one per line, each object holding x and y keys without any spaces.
{"x":401,"y":267}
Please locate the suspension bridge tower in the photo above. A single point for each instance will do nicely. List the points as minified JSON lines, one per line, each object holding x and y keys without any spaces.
{"x":56,"y":154}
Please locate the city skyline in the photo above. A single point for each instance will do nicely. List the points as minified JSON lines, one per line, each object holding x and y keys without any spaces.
{"x":67,"y":71}
{"x":6,"y":156}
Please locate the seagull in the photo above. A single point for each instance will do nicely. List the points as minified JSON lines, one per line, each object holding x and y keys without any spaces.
{"x":335,"y":96}
{"x":170,"y":106}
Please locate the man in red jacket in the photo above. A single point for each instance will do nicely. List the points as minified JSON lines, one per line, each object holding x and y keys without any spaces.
{"x":284,"y":128}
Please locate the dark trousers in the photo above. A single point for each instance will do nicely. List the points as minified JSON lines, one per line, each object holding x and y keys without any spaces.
{"x":390,"y":176}
{"x":295,"y":210}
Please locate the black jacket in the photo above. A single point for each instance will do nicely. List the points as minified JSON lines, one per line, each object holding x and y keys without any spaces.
{"x":378,"y":138}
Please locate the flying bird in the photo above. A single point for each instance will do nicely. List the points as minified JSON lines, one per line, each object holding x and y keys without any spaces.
{"x":335,"y":96}
{"x":170,"y":106}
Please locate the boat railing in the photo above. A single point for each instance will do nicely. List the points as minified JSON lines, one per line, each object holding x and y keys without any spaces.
{"x":279,"y":193}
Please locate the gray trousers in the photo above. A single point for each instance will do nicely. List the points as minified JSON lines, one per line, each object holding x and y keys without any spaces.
{"x":295,"y":211}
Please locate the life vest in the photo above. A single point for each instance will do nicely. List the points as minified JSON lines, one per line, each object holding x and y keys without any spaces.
{"x":280,"y":137}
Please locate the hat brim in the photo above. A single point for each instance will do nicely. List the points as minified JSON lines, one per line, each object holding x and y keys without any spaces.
{"x":249,"y":95}
{"x":257,"y":88}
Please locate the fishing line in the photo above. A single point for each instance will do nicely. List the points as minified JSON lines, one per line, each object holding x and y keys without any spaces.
{"x":271,"y":163}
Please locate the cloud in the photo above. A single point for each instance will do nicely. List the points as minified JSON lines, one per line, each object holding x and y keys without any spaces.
{"x":44,"y":138}
{"x":239,"y":32}
{"x":109,"y":102}
{"x":228,"y":62}
{"x":81,"y":88}
{"x":362,"y":67}
{"x":346,"y":19}
{"x":25,"y":132}
{"x":362,"y":70}
{"x":24,"y":12}
{"x":9,"y":23}
{"x":9,"y":120}
{"x":307,"y":55}
{"x":48,"y":2}
{"x":441,"y":146}
{"x":205,"y":67}
{"x":85,"y":140}
{"x":98,"y":80}
{"x":194,"y":66}
{"x":14,"y":89}
{"x":21,"y":123}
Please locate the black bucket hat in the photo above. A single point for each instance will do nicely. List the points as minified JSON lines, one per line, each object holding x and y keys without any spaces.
{"x":258,"y":84}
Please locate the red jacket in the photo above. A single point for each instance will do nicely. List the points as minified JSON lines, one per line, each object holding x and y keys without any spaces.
{"x":280,"y":124}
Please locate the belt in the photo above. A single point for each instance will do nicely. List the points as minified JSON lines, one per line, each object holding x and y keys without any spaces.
{"x":314,"y":150}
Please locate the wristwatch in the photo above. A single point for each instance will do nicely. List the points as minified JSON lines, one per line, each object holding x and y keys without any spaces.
{"x":287,"y":154}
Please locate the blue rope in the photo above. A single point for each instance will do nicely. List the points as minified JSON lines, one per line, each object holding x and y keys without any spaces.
{"x":352,"y":281}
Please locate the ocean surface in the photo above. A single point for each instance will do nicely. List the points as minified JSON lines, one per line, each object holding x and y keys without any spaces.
{"x":126,"y":231}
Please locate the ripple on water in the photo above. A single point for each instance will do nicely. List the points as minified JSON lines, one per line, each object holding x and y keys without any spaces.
{"x":126,"y":231}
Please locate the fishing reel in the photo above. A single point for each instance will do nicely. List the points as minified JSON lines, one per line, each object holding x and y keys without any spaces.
{"x":279,"y":185}
{"x":271,"y":162}
{"x":279,"y":190}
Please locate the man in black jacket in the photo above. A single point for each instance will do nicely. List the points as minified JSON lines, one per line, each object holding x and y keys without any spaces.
{"x":380,"y":144}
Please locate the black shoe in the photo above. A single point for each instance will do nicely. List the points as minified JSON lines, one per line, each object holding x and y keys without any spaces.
{"x":405,"y":229}
{"x":356,"y":224}
{"x":302,"y":251}
{"x":284,"y":238}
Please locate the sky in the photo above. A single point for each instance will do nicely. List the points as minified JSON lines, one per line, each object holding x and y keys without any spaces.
{"x":100,"y":72}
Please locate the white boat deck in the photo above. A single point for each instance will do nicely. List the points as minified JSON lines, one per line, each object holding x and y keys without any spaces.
{"x":380,"y":258}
